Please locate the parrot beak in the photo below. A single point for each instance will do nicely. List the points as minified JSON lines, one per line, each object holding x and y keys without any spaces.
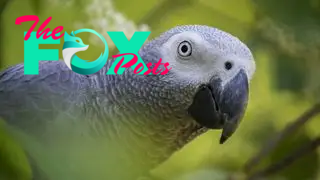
{"x":217,"y":107}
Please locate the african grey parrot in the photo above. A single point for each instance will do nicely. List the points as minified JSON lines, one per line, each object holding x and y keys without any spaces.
{"x":80,"y":127}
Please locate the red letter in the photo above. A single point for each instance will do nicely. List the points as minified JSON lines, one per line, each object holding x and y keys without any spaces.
{"x":35,"y":18}
{"x":128,"y":64}
{"x":154,"y":71}
{"x":137,"y":68}
{"x":25,"y":18}
{"x":55,"y":31}
{"x":167,"y":70}
{"x":45,"y":32}
{"x":132,"y":61}
{"x":118,"y":65}
{"x":149,"y":70}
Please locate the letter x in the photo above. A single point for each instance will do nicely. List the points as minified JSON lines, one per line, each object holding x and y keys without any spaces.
{"x":125,"y":46}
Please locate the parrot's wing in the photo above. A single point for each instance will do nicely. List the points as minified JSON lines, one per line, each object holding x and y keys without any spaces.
{"x":45,"y":113}
{"x":51,"y":116}
{"x":30,"y":102}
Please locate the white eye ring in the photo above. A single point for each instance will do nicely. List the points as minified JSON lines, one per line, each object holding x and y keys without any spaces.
{"x":185,"y":49}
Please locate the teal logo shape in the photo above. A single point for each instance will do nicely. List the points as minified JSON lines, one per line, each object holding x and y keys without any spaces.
{"x":73,"y":44}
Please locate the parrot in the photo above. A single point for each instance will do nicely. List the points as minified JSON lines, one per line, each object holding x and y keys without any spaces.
{"x":98,"y":126}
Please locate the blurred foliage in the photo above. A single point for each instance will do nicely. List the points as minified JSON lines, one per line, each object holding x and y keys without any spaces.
{"x":284,"y":37}
{"x":11,"y":155}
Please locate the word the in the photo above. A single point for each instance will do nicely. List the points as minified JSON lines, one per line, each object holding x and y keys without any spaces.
{"x":43,"y":35}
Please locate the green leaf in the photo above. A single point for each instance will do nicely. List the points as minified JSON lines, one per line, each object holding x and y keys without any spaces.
{"x":14,"y":163}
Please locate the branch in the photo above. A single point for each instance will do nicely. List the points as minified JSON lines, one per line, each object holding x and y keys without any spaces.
{"x":276,"y":167}
{"x":273,"y":142}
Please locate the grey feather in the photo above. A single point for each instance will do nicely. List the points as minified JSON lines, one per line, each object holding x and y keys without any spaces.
{"x":127,"y":124}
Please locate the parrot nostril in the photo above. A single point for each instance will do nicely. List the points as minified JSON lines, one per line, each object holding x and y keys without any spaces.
{"x":228,"y":65}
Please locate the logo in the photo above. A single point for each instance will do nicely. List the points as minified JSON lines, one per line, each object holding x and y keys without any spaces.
{"x":128,"y":56}
{"x":73,"y":44}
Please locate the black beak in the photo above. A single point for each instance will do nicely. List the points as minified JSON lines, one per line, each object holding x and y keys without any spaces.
{"x":218,"y":107}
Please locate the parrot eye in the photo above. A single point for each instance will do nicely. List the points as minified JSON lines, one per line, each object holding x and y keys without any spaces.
{"x":184,"y":49}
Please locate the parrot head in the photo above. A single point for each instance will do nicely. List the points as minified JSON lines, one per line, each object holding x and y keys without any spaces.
{"x":211,"y":69}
